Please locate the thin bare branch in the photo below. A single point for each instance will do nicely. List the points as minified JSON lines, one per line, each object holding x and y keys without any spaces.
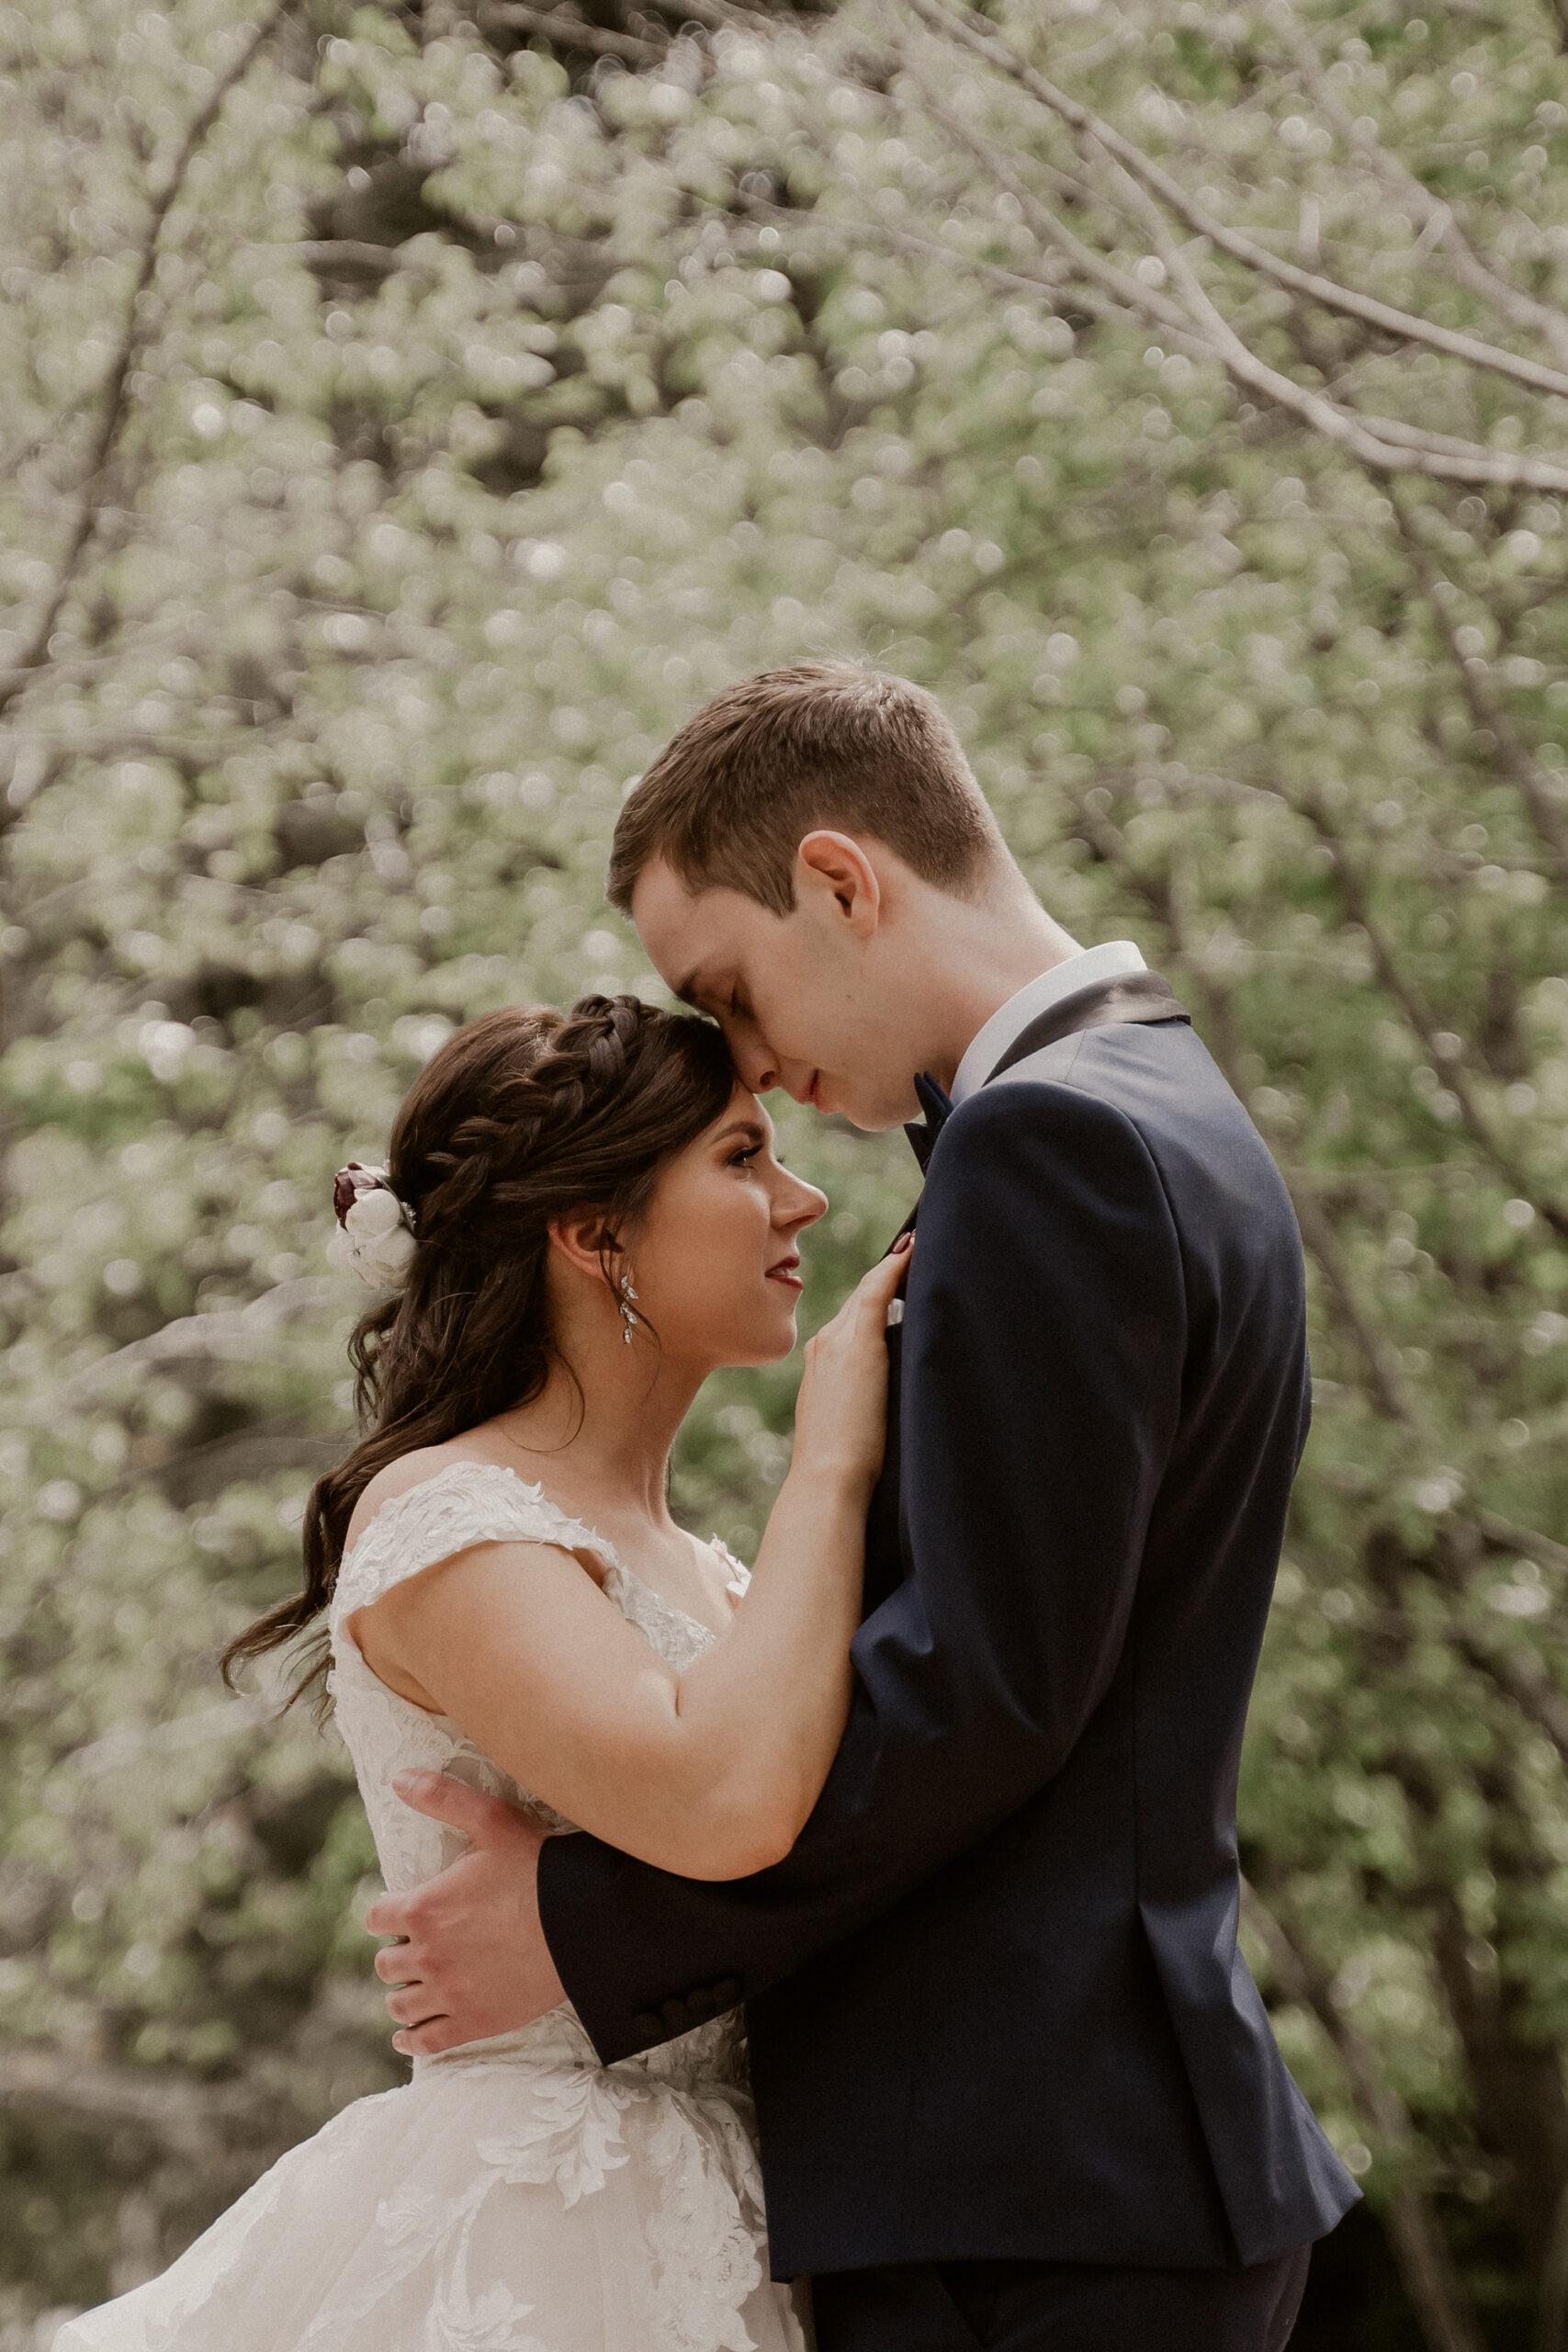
{"x":1385,"y":1378}
{"x":975,"y":33}
{"x":201,"y":2122}
{"x":1057,"y":284}
{"x":1426,"y":2267}
{"x":1423,"y":1022}
{"x":1549,"y":819}
{"x":1405,"y":448}
{"x":1521,"y":310}
{"x":342,"y":252}
{"x":717,"y":16}
{"x":1516,"y":1673}
{"x":1141,"y":300}
{"x":1507,"y":1535}
{"x":569,"y":31}
{"x":127,"y":1743}
{"x":1521,"y":1677}
{"x":114,"y":402}
{"x":1117,"y":297}
{"x":236,"y":1335}
{"x":1203,"y":785}
{"x":1385,"y":1375}
{"x":1418,"y":436}
{"x":1440,"y":454}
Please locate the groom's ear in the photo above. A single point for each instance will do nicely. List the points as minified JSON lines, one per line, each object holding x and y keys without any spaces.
{"x":834,"y":869}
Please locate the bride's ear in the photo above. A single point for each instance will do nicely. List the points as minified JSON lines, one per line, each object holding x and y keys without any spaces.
{"x":584,"y":1240}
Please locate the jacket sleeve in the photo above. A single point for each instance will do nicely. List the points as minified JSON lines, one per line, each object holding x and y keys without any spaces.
{"x":1044,"y":1341}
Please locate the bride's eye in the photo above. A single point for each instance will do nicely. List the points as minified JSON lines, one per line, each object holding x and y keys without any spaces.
{"x":745,"y":1156}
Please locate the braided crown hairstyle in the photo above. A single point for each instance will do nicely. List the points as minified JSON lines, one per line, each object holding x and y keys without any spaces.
{"x":521,"y":1116}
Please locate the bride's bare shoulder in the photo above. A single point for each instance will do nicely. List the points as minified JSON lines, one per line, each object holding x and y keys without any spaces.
{"x":415,"y":1469}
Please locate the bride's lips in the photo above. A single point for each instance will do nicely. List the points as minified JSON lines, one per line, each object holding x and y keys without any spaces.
{"x":787,"y":1272}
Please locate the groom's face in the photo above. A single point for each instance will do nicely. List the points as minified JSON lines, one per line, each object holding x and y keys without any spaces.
{"x":798,"y":1004}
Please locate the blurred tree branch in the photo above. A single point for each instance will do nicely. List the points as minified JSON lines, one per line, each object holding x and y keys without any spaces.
{"x":1547,"y":815}
{"x":206,"y":2124}
{"x":571,"y":31}
{"x":1471,"y":269}
{"x":112,"y":399}
{"x":1097,"y":139}
{"x":1433,"y":2285}
{"x":1385,"y":445}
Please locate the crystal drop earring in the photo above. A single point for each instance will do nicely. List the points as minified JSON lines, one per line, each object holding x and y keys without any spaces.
{"x":628,"y":1318}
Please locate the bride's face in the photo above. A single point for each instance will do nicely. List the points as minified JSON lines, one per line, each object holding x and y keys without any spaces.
{"x":714,"y":1261}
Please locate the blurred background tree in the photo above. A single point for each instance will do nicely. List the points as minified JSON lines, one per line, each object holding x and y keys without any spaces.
{"x":410,"y":414}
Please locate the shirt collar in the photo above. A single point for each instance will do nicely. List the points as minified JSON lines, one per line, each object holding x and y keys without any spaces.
{"x":1086,"y":969}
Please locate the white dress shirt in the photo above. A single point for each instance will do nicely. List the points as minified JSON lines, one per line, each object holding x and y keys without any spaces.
{"x":1086,"y":969}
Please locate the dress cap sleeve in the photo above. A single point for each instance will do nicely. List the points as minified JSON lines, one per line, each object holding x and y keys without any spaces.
{"x":467,"y":1503}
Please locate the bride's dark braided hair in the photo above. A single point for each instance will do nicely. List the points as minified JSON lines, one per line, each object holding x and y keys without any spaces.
{"x":520,"y":1117}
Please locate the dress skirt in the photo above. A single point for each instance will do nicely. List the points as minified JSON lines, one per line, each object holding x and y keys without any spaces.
{"x":514,"y":2197}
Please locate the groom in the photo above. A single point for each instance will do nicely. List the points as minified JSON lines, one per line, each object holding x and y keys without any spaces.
{"x":1015,"y":2085}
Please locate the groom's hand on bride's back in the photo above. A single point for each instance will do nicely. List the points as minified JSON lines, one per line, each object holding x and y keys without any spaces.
{"x":470,"y":1959}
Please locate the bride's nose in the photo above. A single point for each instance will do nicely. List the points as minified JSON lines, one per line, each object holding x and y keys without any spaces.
{"x":801,"y":1206}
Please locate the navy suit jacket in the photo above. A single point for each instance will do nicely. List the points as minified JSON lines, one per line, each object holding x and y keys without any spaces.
{"x":994,"y":1996}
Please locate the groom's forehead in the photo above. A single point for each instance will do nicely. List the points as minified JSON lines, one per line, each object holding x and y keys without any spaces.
{"x":688,"y":932}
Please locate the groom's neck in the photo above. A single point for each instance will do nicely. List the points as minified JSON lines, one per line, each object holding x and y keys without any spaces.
{"x":978,"y":953}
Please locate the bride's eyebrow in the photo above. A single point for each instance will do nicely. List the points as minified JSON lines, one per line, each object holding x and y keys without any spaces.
{"x":750,"y":1128}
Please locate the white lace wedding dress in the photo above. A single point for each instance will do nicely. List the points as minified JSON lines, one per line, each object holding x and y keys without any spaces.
{"x":515,"y":2196}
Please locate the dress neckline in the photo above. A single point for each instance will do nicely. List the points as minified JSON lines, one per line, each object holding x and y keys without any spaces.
{"x":599,"y":1545}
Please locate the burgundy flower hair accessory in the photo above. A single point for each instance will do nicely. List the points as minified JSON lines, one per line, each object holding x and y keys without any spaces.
{"x":374,"y":1239}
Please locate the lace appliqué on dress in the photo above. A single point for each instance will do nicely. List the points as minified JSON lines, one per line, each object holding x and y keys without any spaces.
{"x":516,"y":2196}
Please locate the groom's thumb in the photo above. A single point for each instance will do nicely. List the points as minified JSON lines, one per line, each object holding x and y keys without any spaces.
{"x":480,"y":1817}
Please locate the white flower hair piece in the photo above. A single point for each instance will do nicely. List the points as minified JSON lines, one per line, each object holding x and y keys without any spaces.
{"x":374,"y":1239}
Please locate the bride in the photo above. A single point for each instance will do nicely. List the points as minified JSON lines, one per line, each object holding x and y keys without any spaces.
{"x":582,"y":1217}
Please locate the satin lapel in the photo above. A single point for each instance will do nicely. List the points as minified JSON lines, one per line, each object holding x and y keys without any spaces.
{"x":1136,"y":997}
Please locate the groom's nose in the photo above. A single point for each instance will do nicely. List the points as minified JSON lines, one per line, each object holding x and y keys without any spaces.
{"x":758,"y":1066}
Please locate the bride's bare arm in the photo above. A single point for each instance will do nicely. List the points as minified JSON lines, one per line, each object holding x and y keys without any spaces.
{"x":711,"y":1773}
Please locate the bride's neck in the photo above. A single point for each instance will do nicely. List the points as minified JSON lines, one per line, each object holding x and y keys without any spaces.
{"x":607,"y":1432}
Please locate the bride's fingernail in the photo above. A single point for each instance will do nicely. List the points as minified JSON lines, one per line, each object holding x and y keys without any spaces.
{"x":905,"y":1241}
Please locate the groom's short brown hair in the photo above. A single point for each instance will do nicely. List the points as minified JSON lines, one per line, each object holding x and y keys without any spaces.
{"x":824,"y":744}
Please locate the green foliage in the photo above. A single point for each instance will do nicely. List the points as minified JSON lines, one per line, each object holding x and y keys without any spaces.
{"x":483,"y":409}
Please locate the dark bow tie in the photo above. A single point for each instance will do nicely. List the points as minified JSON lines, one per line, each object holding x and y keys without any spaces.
{"x":1131,"y":998}
{"x":938,"y":1108}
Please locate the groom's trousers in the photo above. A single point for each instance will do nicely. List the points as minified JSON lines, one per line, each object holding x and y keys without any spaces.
{"x":1059,"y":2307}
